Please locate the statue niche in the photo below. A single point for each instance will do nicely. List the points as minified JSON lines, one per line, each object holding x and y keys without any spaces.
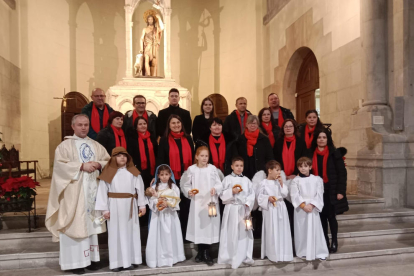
{"x":146,"y":63}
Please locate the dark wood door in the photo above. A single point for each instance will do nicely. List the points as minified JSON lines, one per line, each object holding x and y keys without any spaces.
{"x":73,"y":105}
{"x":307,"y":83}
{"x":220,"y":106}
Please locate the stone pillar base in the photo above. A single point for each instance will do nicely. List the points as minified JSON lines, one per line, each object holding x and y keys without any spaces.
{"x":155,"y":91}
{"x":376,"y":160}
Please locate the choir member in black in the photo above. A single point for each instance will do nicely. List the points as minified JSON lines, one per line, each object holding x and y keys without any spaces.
{"x":143,"y":148}
{"x":173,"y":108}
{"x":287,"y":150}
{"x":279,"y":113}
{"x":313,"y":124}
{"x":112,"y":135}
{"x":267,"y":126}
{"x":176,"y":149}
{"x":235,"y":123}
{"x":201,"y":123}
{"x":98,"y":112}
{"x":328,"y":163}
{"x":140,"y":105}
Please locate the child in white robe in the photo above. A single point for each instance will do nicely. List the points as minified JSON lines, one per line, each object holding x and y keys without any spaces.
{"x":236,"y":243}
{"x":276,"y":237}
{"x":202,"y":229}
{"x":165,"y":245}
{"x":120,"y":192}
{"x":306,"y":191}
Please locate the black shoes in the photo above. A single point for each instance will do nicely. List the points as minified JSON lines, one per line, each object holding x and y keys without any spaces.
{"x":93,"y":266}
{"x":207,"y":259}
{"x":334,"y":247}
{"x":116,"y":269}
{"x":199,"y":257}
{"x":78,"y":271}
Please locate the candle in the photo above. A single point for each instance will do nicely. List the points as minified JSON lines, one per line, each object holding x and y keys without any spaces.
{"x":212,"y":210}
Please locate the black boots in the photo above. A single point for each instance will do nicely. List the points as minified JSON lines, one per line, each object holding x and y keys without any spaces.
{"x":207,"y":259}
{"x":334,"y":246}
{"x":199,"y":257}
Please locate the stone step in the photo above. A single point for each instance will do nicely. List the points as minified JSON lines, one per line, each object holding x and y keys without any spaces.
{"x":376,"y":216}
{"x":393,"y":252}
{"x":361,"y":202}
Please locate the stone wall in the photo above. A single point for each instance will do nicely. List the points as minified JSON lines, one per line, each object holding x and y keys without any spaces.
{"x":10,"y":113}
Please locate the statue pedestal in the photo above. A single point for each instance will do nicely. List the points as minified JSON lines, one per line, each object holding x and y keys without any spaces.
{"x":155,"y":91}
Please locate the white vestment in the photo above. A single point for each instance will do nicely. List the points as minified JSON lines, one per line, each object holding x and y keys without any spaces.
{"x":236,"y":244}
{"x":201,"y":228}
{"x":76,"y":252}
{"x":258,"y":178}
{"x":124,"y":240}
{"x":165,"y":245}
{"x":309,"y":238}
{"x":276,"y":237}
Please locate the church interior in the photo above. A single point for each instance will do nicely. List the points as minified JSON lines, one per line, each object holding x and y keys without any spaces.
{"x":352,"y":61}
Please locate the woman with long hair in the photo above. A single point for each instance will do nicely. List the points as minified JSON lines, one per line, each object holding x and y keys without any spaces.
{"x":313,"y":124}
{"x":328,"y":163}
{"x":267,"y":125}
{"x":113,"y":135}
{"x":201,"y":123}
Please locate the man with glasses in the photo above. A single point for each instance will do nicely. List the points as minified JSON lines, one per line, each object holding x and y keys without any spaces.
{"x":97,"y":111}
{"x":140,"y":104}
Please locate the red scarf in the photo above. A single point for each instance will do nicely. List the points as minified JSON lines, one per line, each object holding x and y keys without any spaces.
{"x":269,"y":131}
{"x":95,"y":120}
{"x":288,"y":155}
{"x":119,"y":133}
{"x":244,"y":119}
{"x":325,"y":154}
{"x":135,"y":115}
{"x":280,"y":120}
{"x":308,"y":139}
{"x":218,"y":160}
{"x":142,"y":153}
{"x":251,"y":140}
{"x":175,"y":162}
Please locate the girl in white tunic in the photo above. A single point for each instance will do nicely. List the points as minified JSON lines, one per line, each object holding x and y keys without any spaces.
{"x":165,"y":242}
{"x":306,"y":192}
{"x":236,"y":243}
{"x":120,"y":192}
{"x":202,"y":229}
{"x":276,"y":237}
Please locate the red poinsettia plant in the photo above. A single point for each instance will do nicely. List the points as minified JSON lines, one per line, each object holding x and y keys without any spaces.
{"x":17,"y":188}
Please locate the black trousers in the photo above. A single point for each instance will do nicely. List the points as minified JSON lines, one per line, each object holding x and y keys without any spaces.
{"x":328,"y":216}
{"x":202,"y":247}
{"x":184,"y":211}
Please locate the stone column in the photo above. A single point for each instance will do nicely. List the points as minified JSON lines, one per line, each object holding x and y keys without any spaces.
{"x":374,"y":42}
{"x":129,"y":10}
{"x":167,"y":42}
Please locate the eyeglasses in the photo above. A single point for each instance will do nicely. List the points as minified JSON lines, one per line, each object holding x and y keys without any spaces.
{"x":141,"y":103}
{"x":99,"y":96}
{"x":288,"y":127}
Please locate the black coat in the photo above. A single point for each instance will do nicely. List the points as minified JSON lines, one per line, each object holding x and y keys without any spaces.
{"x":134,"y":151}
{"x":262,"y":153}
{"x":152,"y":122}
{"x":337,"y":179}
{"x":275,"y":130}
{"x":302,"y":128}
{"x":164,"y":114}
{"x":232,"y":126}
{"x":204,"y":141}
{"x":287,"y":114}
{"x":201,"y":127}
{"x":87,"y":110}
{"x":163,"y":156}
{"x":300,"y":151}
{"x":106,"y":138}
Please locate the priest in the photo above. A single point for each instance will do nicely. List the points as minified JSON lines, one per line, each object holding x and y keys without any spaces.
{"x":71,"y":208}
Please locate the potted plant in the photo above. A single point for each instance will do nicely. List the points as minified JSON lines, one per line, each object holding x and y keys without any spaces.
{"x":17,"y":194}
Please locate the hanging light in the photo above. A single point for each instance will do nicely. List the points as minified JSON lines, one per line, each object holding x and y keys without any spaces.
{"x":248,"y":222}
{"x":212,"y":209}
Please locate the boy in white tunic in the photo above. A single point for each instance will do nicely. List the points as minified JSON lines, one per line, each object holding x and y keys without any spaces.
{"x":120,"y":192}
{"x":306,"y":192}
{"x":276,"y":237}
{"x":236,"y":243}
{"x":201,"y":184}
{"x":165,"y":245}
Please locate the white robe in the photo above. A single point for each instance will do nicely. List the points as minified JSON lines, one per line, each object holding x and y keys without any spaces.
{"x":76,"y":252}
{"x":309,"y":238}
{"x":124,"y":240}
{"x":165,"y":245}
{"x":236,"y":244}
{"x":201,"y":228}
{"x":258,"y":178}
{"x":276,"y":237}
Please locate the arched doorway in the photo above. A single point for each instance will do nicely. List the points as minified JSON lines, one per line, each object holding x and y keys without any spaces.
{"x":307,"y":86}
{"x":72,"y":104}
{"x":220,"y":105}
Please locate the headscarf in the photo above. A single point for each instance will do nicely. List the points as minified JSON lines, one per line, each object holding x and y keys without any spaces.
{"x":156,"y":174}
{"x":111,"y":167}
